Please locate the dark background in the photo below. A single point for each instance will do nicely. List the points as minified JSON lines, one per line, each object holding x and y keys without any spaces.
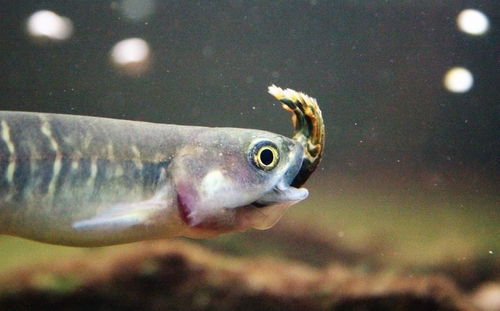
{"x":376,"y":68}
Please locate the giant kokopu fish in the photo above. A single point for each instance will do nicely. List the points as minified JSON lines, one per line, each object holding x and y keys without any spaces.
{"x":88,"y":181}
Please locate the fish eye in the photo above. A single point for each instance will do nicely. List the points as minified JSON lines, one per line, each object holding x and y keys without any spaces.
{"x":265,"y":155}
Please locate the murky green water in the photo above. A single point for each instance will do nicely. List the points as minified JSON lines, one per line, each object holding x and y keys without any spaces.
{"x":410,"y":173}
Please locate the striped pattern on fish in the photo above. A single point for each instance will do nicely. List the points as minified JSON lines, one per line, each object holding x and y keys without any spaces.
{"x":89,"y":181}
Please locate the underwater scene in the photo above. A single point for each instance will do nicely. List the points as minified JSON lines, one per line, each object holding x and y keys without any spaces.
{"x":402,"y":212}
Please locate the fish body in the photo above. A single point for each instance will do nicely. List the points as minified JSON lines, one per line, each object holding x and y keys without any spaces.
{"x":87,"y":181}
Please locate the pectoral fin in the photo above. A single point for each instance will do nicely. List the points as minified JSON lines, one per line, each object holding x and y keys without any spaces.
{"x":125,"y":215}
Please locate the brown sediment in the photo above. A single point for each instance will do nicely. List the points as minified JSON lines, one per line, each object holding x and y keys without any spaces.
{"x":177,"y":275}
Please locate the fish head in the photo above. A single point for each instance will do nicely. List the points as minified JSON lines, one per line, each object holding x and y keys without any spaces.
{"x":234,"y":179}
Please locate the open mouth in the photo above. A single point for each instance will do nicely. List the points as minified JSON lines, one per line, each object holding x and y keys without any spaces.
{"x":270,"y":207}
{"x":265,"y":214}
{"x":280,"y":194}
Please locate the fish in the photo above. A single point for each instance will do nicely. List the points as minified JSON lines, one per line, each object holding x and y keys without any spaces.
{"x":90,"y":181}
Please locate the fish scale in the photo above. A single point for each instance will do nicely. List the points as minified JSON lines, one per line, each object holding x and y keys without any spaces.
{"x":43,"y":161}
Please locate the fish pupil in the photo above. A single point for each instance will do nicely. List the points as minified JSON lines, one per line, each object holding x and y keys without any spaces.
{"x":266,"y":157}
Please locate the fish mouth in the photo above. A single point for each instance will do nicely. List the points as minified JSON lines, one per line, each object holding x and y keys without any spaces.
{"x":265,"y":212}
{"x":261,"y":214}
{"x":282,"y":192}
{"x":309,"y":132}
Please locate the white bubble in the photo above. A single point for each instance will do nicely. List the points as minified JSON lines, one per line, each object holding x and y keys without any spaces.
{"x":473,"y":22}
{"x":132,"y":55}
{"x":48,"y":24}
{"x":130,"y":51}
{"x":458,"y":80}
